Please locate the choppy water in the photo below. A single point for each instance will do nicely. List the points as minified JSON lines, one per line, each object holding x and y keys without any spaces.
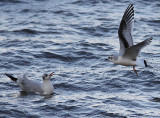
{"x":72,"y":38}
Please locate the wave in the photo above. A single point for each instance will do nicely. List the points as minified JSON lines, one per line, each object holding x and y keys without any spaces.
{"x":68,"y":57}
{"x":12,"y":1}
{"x":14,"y":112}
{"x":56,"y":56}
{"x":103,"y":113}
{"x":86,"y":2}
{"x":33,"y":32}
{"x":28,"y":31}
{"x":155,"y":99}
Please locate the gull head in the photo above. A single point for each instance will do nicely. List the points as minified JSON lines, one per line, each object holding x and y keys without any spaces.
{"x":112,"y":58}
{"x":47,"y":76}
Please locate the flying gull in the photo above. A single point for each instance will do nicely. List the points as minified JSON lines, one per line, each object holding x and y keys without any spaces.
{"x":45,"y":88}
{"x":128,"y":52}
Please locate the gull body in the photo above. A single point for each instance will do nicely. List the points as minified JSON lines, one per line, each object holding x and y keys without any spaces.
{"x":129,"y":52}
{"x":126,"y":62}
{"x":44,"y":88}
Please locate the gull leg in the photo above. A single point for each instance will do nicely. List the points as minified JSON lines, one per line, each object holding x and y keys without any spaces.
{"x":135,"y":70}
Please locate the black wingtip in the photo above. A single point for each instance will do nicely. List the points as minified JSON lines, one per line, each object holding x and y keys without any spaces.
{"x":145,"y":63}
{"x":131,"y":4}
{"x":11,"y":77}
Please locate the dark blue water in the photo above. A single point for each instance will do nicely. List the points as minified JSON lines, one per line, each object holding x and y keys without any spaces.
{"x":72,"y":38}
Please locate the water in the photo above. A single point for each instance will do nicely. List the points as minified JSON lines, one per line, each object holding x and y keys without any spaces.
{"x":72,"y":38}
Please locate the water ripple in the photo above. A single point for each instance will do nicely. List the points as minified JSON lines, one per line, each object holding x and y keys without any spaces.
{"x":73,"y":39}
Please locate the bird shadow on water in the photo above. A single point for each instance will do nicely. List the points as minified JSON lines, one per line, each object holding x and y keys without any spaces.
{"x":20,"y":94}
{"x":23,"y":93}
{"x":45,"y":97}
{"x":26,"y":94}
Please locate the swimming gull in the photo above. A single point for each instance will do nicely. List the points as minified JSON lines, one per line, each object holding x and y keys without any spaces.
{"x":45,"y":88}
{"x":128,"y":52}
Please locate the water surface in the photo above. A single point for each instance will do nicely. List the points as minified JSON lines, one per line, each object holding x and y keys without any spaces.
{"x":72,"y":38}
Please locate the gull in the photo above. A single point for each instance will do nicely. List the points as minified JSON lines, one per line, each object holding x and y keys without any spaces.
{"x":45,"y":88}
{"x":128,"y":52}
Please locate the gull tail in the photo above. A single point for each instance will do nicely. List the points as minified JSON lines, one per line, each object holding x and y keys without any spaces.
{"x":11,"y":77}
{"x":142,"y":63}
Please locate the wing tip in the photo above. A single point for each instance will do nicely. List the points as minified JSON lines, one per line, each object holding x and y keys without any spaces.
{"x":145,"y":63}
{"x":129,"y":13}
{"x":131,"y":4}
{"x":130,"y":7}
{"x":149,"y":40}
{"x":11,"y":77}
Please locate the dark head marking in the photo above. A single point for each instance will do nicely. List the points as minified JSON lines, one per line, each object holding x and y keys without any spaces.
{"x":44,"y":76}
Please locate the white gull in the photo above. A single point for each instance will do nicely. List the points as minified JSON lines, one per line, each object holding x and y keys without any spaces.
{"x":128,"y":52}
{"x":45,"y":88}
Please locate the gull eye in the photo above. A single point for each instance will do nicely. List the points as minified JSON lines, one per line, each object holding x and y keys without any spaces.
{"x":110,"y":57}
{"x":45,"y":76}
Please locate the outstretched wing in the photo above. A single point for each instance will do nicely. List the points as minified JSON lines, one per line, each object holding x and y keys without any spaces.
{"x":133,"y":51}
{"x":125,"y":29}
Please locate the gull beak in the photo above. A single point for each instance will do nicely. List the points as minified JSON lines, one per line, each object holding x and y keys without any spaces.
{"x":51,"y":74}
